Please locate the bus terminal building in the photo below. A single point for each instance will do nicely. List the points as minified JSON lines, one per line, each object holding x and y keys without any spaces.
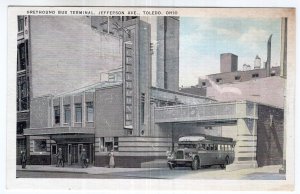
{"x":98,"y":91}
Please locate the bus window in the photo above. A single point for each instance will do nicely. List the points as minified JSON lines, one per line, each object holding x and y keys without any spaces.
{"x":203,"y":146}
{"x":207,"y":147}
{"x":211,"y":147}
{"x":216,"y":147}
{"x":219,"y":147}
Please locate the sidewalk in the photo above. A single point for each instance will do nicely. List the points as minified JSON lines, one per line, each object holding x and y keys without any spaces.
{"x":77,"y":169}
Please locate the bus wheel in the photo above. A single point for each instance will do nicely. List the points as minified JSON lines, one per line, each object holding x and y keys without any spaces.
{"x":195,"y":164}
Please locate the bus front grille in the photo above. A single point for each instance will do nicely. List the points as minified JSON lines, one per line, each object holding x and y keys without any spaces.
{"x":179,"y":155}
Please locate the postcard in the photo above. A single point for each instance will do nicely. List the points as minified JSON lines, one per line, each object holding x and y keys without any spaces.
{"x":179,"y":99}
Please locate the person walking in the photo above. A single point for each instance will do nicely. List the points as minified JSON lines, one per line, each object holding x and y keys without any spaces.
{"x":83,"y":158}
{"x":23,"y":159}
{"x":60,"y":158}
{"x":111,"y":159}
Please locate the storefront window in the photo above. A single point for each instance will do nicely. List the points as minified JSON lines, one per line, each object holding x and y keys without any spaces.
{"x":90,"y":112}
{"x":40,"y":145}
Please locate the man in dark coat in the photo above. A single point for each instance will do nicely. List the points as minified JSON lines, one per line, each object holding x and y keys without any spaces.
{"x":23,"y":159}
{"x":83,"y":158}
{"x":60,"y":158}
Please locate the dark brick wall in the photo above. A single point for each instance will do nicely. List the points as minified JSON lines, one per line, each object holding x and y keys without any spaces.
{"x":39,"y":160}
{"x":269,"y":136}
{"x":126,"y":161}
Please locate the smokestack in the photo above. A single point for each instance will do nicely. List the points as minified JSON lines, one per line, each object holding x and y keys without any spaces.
{"x":283,"y":53}
{"x":268,"y":63}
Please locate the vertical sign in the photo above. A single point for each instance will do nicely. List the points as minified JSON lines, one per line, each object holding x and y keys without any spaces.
{"x":128,"y":85}
{"x":128,"y":79}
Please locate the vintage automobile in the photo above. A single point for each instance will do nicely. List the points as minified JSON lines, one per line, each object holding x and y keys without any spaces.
{"x":202,"y":151}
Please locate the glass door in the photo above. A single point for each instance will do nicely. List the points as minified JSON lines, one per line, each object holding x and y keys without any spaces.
{"x":53,"y":154}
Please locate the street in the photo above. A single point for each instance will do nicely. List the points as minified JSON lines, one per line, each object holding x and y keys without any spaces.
{"x":213,"y":173}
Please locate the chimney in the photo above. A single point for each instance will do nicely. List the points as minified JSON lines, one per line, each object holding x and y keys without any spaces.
{"x":283,"y":52}
{"x":268,"y":63}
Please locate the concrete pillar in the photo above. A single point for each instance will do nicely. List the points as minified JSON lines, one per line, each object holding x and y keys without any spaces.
{"x":245,"y":148}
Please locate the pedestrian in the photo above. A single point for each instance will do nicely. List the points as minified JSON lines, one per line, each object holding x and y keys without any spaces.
{"x":23,"y":159}
{"x":60,"y":158}
{"x":83,"y":158}
{"x":111,"y":159}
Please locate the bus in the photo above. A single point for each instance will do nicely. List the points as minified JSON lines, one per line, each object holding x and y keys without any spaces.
{"x":202,"y":151}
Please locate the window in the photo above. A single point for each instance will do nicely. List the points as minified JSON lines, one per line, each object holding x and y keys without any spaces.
{"x":22,"y":93}
{"x":219,"y":80}
{"x":78,"y":113}
{"x":21,"y":126}
{"x":21,"y":57}
{"x":56,"y":114}
{"x":255,"y":75}
{"x":90,"y":112}
{"x":67,"y":112}
{"x":203,"y":83}
{"x":40,"y":145}
{"x":20,"y":23}
{"x":238,"y":77}
{"x":116,"y":144}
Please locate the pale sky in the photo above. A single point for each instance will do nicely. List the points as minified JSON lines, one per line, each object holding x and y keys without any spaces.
{"x":202,"y":40}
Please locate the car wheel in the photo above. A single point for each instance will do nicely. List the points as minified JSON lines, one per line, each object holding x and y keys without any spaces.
{"x":195,"y":164}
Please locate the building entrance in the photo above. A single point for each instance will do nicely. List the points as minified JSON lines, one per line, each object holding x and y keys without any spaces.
{"x":72,"y":153}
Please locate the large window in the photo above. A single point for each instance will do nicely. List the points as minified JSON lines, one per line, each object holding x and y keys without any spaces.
{"x":90,"y":112}
{"x":56,"y":114}
{"x":40,"y":145}
{"x":78,"y":113}
{"x":67,"y":115}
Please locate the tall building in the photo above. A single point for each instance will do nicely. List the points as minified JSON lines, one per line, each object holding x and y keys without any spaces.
{"x":165,"y":51}
{"x":228,"y":62}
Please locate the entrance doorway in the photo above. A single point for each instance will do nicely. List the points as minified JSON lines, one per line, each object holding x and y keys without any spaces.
{"x":72,"y":152}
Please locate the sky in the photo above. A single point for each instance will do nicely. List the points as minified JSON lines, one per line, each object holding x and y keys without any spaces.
{"x":202,"y":40}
